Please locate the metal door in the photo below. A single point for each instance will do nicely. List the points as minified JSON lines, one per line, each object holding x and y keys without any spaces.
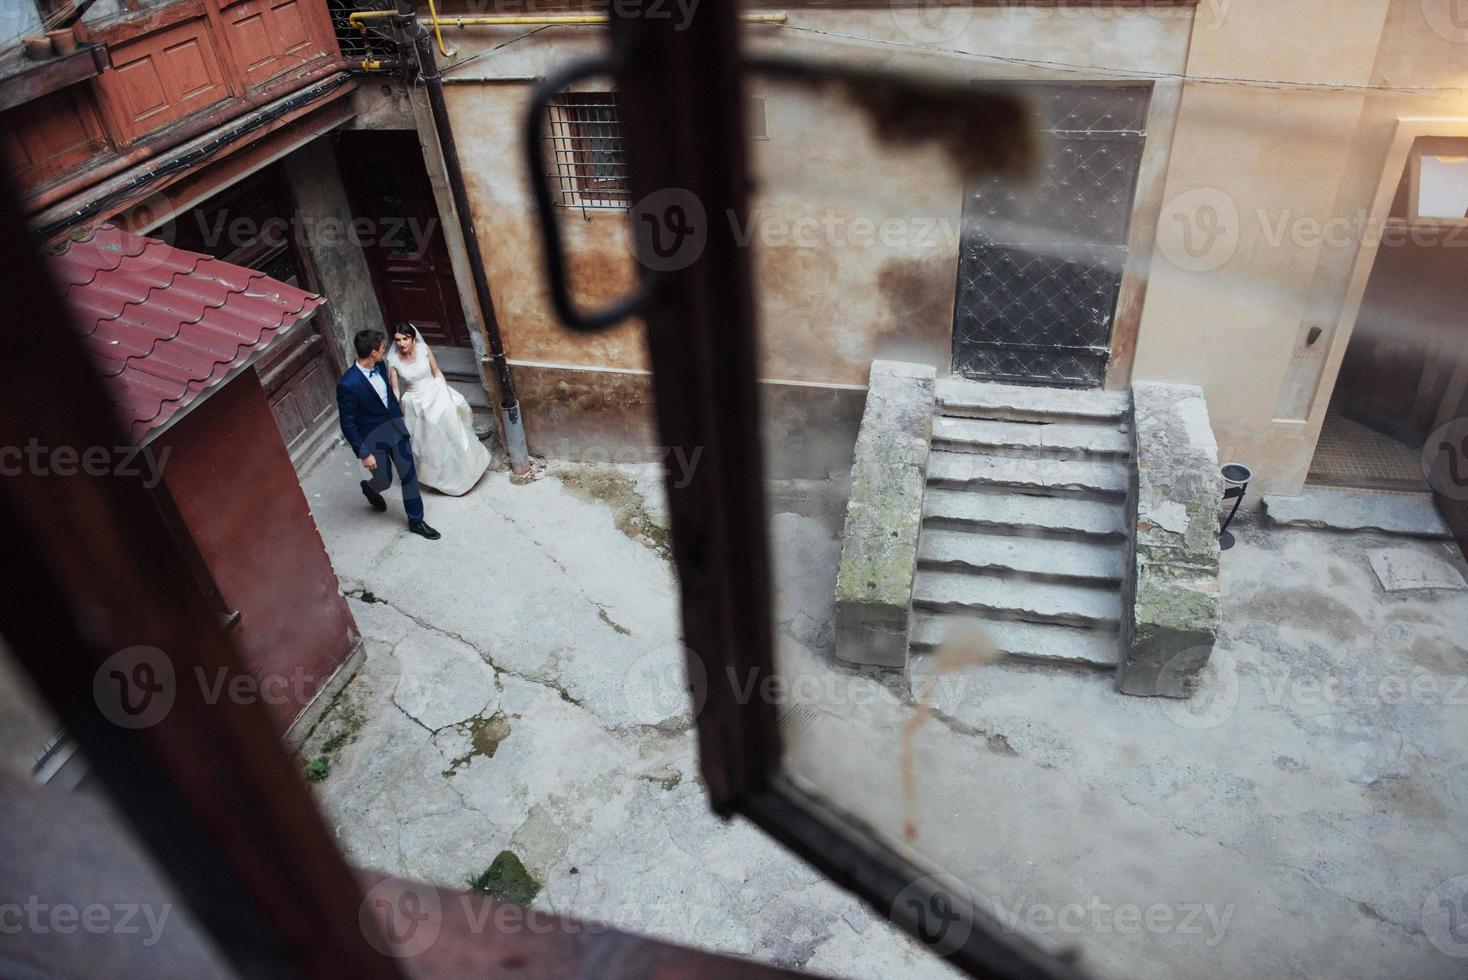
{"x":1040,"y":266}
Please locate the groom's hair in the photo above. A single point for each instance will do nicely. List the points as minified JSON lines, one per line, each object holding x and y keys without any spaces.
{"x":368,"y":341}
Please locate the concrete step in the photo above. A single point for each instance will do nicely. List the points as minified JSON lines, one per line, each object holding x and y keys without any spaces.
{"x":457,"y":361}
{"x":1024,"y":514}
{"x":998,"y":597}
{"x":1041,"y":643}
{"x":1033,"y":475}
{"x":1037,"y":558}
{"x":472,"y":391}
{"x":987,"y":400}
{"x":1063,"y":440}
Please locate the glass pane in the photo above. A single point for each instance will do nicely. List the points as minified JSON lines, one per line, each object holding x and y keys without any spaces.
{"x":1444,"y":188}
{"x":996,"y":407}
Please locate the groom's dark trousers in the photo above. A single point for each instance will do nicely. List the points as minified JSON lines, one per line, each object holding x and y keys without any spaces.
{"x":374,"y":429}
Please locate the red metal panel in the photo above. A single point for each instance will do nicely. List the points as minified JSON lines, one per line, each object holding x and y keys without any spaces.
{"x":165,"y":325}
{"x":232,"y":479}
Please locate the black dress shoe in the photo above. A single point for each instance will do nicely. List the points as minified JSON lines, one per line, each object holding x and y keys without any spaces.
{"x":420,"y":528}
{"x":373,"y":497}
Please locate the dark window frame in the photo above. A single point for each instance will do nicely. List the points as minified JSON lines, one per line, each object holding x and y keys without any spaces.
{"x":682,"y":101}
{"x":589,"y":164}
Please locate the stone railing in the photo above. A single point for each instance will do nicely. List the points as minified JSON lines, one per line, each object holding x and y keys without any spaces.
{"x":884,"y":515}
{"x":1173,"y":596}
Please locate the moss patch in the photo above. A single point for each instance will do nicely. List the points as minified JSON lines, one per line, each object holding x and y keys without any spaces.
{"x":340,"y":724}
{"x":668,"y":781}
{"x":630,"y":514}
{"x":485,"y":736}
{"x":602,"y":615}
{"x":506,"y":878}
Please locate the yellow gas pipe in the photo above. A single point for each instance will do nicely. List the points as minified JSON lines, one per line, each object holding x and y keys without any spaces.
{"x":357,"y":20}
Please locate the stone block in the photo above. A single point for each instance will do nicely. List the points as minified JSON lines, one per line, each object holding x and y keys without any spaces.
{"x":1174,"y":602}
{"x":884,"y":515}
{"x":1409,"y":569}
{"x":1406,"y":514}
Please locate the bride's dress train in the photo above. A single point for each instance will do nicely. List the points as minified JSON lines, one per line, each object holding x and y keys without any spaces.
{"x":448,"y":456}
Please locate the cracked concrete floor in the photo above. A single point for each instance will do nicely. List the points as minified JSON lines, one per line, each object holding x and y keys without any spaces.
{"x":523,"y":691}
{"x":1302,"y":817}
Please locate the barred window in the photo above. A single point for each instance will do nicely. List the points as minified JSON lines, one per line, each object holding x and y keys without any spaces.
{"x":585,"y":132}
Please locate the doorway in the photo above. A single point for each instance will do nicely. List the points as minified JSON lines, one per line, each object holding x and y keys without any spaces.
{"x":250,"y":224}
{"x":1039,"y":267}
{"x":1399,"y":401}
{"x":388,"y":186}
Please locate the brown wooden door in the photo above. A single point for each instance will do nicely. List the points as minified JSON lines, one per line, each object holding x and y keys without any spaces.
{"x":249,"y":225}
{"x":405,"y":247}
{"x":1447,"y":475}
{"x":1409,"y":339}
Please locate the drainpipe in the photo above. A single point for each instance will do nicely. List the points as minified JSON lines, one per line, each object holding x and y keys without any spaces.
{"x":510,"y":417}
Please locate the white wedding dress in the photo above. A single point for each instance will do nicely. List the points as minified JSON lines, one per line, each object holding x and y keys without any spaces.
{"x":446,"y":453}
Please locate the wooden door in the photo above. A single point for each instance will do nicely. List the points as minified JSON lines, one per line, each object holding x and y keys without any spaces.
{"x":1446,"y":461}
{"x":1407,"y":342}
{"x":404,"y":244}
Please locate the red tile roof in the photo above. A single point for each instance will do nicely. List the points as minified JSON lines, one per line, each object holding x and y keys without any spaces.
{"x":164,"y":325}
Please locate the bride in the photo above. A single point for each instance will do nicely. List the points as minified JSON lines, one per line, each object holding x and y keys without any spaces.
{"x":449,"y":457}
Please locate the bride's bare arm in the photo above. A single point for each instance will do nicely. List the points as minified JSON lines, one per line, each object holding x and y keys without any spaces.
{"x":433,"y":363}
{"x":392,"y":379}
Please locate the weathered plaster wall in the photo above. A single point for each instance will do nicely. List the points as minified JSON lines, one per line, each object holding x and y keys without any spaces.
{"x":1254,"y":247}
{"x":321,"y":199}
{"x":856,"y":244}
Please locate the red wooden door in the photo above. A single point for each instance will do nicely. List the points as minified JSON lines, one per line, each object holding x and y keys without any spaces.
{"x":405,"y":246}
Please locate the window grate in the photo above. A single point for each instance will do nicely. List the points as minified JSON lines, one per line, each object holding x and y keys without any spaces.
{"x":379,"y":42}
{"x":589,"y":166}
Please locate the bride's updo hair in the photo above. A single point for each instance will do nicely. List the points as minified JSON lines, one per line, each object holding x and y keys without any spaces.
{"x":404,"y":329}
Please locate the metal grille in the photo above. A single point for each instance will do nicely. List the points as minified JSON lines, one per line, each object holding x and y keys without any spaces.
{"x":378,"y":43}
{"x":1040,"y":266}
{"x":585,"y":133}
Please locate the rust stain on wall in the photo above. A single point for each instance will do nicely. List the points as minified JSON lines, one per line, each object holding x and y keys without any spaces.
{"x":919,"y":297}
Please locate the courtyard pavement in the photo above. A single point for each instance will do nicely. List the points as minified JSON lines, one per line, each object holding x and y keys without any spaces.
{"x":1302,"y":816}
{"x":522,"y":692}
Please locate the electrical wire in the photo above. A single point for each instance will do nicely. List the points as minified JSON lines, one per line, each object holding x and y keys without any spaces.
{"x":1071,"y":66}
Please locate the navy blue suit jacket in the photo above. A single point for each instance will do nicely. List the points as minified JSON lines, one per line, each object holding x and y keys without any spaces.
{"x":366,"y":422}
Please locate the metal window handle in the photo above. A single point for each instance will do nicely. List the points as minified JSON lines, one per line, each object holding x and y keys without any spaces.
{"x":555,"y":260}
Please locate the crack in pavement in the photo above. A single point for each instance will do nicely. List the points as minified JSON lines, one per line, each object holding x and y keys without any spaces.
{"x":361,"y":595}
{"x":515,"y":526}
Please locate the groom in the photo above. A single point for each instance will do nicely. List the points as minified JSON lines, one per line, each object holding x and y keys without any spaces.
{"x":373,"y":424}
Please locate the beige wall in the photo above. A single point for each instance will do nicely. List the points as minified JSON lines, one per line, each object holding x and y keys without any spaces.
{"x":855,"y":242}
{"x":1278,"y":169}
{"x":1266,"y":119}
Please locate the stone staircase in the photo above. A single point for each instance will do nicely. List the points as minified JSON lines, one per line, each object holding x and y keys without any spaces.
{"x":1025,"y":522}
{"x":461,"y":370}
